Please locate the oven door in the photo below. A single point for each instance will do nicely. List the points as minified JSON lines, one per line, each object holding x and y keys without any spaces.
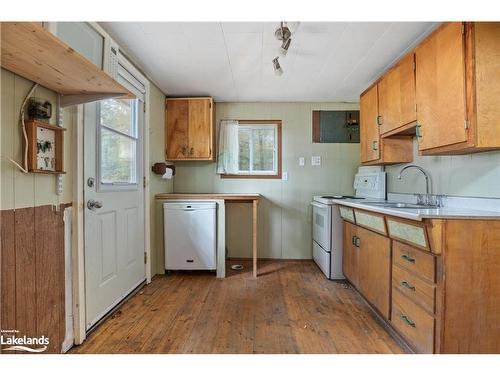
{"x":322,"y":225}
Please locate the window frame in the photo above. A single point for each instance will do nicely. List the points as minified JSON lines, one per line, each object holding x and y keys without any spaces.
{"x":278,"y":153}
{"x":119,"y":186}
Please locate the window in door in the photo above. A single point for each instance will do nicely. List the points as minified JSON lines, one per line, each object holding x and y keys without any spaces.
{"x":259,"y":150}
{"x":118,"y":143}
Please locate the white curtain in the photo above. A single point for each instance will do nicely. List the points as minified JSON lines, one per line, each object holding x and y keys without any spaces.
{"x":227,"y":157}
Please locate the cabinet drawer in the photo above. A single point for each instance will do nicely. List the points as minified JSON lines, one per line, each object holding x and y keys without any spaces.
{"x":371,"y":221}
{"x":408,"y":232}
{"x":419,"y":291}
{"x":417,"y":261}
{"x":347,"y":213}
{"x":413,"y":322}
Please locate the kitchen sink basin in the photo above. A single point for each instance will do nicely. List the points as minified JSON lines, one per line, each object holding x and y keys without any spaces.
{"x":400,"y":205}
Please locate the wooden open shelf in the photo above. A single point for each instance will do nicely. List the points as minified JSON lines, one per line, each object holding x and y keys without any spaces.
{"x":36,"y":54}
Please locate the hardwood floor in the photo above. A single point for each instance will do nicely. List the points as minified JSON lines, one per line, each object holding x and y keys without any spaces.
{"x":290,"y":308}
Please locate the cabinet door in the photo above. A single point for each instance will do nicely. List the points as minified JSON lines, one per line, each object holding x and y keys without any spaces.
{"x":374,"y":269}
{"x":369,"y":132}
{"x":350,"y":255}
{"x":176,"y":133}
{"x":440,"y":88}
{"x":200,"y":129}
{"x":396,"y":96}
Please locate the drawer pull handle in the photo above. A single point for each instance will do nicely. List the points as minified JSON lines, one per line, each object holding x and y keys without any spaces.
{"x":407,"y":285}
{"x":407,"y":321}
{"x":354,"y":240}
{"x":408,"y":258}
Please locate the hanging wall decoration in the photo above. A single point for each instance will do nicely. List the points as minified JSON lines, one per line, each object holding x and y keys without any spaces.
{"x":45,"y":147}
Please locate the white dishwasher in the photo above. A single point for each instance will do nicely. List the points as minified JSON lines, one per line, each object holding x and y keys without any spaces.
{"x":190,"y":235}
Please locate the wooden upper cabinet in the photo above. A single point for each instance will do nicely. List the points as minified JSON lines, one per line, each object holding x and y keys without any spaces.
{"x":189,"y":133}
{"x":396,"y":96}
{"x":440,"y":88}
{"x":369,"y":132}
{"x":374,"y":149}
{"x":457,"y":90}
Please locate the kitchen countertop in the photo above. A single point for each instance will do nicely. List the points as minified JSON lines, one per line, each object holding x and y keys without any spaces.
{"x":239,"y":197}
{"x":419,"y":214}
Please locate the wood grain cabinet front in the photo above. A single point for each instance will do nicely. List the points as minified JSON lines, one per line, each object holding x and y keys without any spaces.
{"x":446,"y":302}
{"x":350,"y":255}
{"x":189,"y":133}
{"x":374,"y":149}
{"x":457,"y":74}
{"x":396,"y":96}
{"x":413,"y":322}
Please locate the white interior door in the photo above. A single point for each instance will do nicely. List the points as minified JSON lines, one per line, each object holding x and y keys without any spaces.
{"x":114,"y":212}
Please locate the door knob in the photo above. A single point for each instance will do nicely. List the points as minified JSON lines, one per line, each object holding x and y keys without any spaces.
{"x":93,"y":205}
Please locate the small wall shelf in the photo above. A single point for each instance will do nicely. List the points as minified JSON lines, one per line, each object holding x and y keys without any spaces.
{"x":45,"y":147}
{"x":36,"y":54}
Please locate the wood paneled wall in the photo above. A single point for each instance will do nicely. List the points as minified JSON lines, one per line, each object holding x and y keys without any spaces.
{"x":32,"y":272}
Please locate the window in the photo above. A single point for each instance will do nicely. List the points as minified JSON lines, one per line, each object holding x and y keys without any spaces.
{"x":259,"y":150}
{"x":118,"y":129}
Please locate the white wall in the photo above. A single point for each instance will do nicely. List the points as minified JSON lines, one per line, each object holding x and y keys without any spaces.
{"x":285,"y":215}
{"x":476,"y":175}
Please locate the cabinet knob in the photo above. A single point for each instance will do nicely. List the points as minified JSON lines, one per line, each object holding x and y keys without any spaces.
{"x":408,"y":258}
{"x":357,"y":241}
{"x":407,"y":321}
{"x":375,"y":145}
{"x":407,"y":285}
{"x":417,"y":131}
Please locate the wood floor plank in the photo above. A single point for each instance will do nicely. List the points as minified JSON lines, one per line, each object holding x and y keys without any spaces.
{"x":290,"y":308}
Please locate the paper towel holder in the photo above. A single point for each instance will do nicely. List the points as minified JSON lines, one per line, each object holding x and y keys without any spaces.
{"x":161,"y":167}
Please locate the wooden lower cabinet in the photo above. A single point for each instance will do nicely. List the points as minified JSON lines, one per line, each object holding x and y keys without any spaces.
{"x":438,"y":302}
{"x":367,"y":265}
{"x":374,"y":269}
{"x":350,"y":256}
{"x":413,"y":322}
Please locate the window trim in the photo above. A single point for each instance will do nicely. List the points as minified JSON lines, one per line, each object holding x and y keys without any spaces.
{"x":278,"y":124}
{"x":118,"y":186}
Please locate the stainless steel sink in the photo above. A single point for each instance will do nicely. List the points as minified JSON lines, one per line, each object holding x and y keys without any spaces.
{"x":401,"y":205}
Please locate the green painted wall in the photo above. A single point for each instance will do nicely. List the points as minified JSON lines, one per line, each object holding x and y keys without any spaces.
{"x":475,"y":175}
{"x":285,"y":212}
{"x":19,"y":190}
{"x":27,"y":190}
{"x":156,"y":183}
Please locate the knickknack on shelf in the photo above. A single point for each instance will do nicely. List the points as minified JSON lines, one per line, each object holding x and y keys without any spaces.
{"x":45,"y":147}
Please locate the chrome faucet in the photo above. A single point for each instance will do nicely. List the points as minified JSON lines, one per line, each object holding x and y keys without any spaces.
{"x":427,"y":182}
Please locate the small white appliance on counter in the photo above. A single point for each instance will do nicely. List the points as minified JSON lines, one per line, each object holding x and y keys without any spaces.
{"x":327,"y":244}
{"x":190,"y":235}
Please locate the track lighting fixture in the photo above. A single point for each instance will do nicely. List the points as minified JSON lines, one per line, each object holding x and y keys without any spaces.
{"x":277,"y":67}
{"x":284,"y":34}
{"x":285,"y":45}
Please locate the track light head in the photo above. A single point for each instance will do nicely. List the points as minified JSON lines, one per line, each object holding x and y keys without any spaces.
{"x":285,"y":45}
{"x":277,"y":67}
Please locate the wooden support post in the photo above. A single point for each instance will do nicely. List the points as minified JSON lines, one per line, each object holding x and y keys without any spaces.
{"x":254,"y":236}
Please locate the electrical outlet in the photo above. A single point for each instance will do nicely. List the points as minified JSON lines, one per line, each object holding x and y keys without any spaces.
{"x":302,"y":161}
{"x":284,"y":176}
{"x":315,"y":160}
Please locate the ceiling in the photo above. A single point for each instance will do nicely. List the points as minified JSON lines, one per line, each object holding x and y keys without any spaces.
{"x":231,"y":61}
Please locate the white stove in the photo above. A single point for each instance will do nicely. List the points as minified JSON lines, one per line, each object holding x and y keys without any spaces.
{"x":327,"y":244}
